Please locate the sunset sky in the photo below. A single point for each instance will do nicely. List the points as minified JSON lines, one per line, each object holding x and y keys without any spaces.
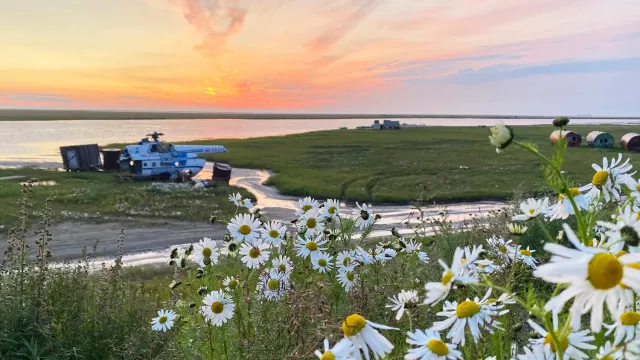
{"x":314,"y":56}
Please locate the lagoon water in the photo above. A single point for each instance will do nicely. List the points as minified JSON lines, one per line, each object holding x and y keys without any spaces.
{"x":38,"y":142}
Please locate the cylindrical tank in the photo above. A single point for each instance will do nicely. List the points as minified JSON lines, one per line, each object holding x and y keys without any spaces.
{"x":221,"y":172}
{"x":573,"y":138}
{"x":111,"y":159}
{"x":599,"y":139}
{"x":631,"y":142}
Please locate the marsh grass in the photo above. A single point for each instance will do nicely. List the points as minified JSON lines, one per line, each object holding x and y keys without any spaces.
{"x":96,"y":195}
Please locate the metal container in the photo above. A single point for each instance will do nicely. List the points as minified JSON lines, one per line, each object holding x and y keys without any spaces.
{"x":574,"y":139}
{"x":599,"y":139}
{"x":111,"y":159}
{"x":631,"y":142}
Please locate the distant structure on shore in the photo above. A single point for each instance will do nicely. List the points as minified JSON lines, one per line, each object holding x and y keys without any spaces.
{"x":385,"y":124}
{"x":573,"y":138}
{"x":599,"y":139}
{"x":631,"y":142}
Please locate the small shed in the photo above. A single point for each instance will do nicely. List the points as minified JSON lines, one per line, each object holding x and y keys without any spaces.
{"x":573,"y":138}
{"x":631,"y":142}
{"x":81,"y":157}
{"x":391,"y":124}
{"x":376,"y":125}
{"x":599,"y":139}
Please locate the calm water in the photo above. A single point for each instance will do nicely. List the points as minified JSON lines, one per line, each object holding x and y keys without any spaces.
{"x":37,"y":142}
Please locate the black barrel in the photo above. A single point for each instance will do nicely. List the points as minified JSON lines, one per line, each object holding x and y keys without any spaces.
{"x":221,"y":172}
{"x":111,"y":157}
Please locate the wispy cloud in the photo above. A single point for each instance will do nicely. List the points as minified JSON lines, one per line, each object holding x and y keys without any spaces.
{"x":38,"y":97}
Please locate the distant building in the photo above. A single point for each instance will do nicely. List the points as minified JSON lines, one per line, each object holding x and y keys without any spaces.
{"x":391,"y":124}
{"x":573,"y":138}
{"x":599,"y":139}
{"x":376,"y":125}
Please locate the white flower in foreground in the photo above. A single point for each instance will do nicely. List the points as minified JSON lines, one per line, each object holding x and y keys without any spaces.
{"x":423,"y":257}
{"x":502,"y":248}
{"x":607,"y":179}
{"x":563,"y":208}
{"x":348,"y":279}
{"x":406,"y":298}
{"x":526,"y":255}
{"x":363,"y":335}
{"x":412,"y":246}
{"x":364,"y":216}
{"x":625,"y":230}
{"x":322,"y":262}
{"x":332,"y":208}
{"x":606,"y":352}
{"x":594,"y":276}
{"x":273,"y":285}
{"x":531,"y":208}
{"x":230,"y":283}
{"x":340,"y":351}
{"x":307,"y":204}
{"x":274,"y":232}
{"x":536,"y":352}
{"x":164,"y":321}
{"x":482,"y":267}
{"x":218,"y":308}
{"x":236,"y":199}
{"x":313,"y":221}
{"x":437,"y":291}
{"x":247,"y":203}
{"x":429,"y":346}
{"x":345,"y":261}
{"x":477,"y":313}
{"x":626,"y":327}
{"x":254,"y":253}
{"x":501,"y":136}
{"x":310,"y":247}
{"x":244,"y":227}
{"x":571,"y":345}
{"x":634,"y":187}
{"x":517,"y":229}
{"x":282,"y":264}
{"x":469,"y":258}
{"x":205,"y":252}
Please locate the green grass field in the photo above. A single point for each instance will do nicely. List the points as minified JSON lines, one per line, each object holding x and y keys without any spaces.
{"x":93,"y":196}
{"x":401,"y":166}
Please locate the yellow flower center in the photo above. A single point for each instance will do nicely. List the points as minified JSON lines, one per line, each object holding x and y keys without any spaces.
{"x":350,"y":275}
{"x":282,"y":267}
{"x":217,"y":307}
{"x":502,"y":249}
{"x":274,"y":234}
{"x":464,"y":260}
{"x":206,"y":252}
{"x":438,"y":347}
{"x":332,"y":210}
{"x":467,"y":309}
{"x":346,"y":261}
{"x":604,"y":271}
{"x":254,"y":253}
{"x":273,"y":284}
{"x":245,"y":230}
{"x":525,"y":252}
{"x":311,"y":223}
{"x":572,"y":191}
{"x":306,"y":208}
{"x":322,"y":262}
{"x":638,"y":215}
{"x":531,"y":211}
{"x":353,"y":324}
{"x":607,"y":357}
{"x":233,"y":284}
{"x":446,"y":278}
{"x":600,"y":178}
{"x":638,"y":187}
{"x":312,"y":246}
{"x":620,"y":253}
{"x":630,"y":318}
{"x":328,"y":356}
{"x":163,"y":319}
{"x":564,"y":342}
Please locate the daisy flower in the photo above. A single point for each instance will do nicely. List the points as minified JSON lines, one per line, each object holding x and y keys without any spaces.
{"x":363,"y":335}
{"x":469,"y":258}
{"x":230,"y":283}
{"x":230,"y":249}
{"x":244,"y":227}
{"x":563,"y":208}
{"x":423,"y":257}
{"x":313,"y":222}
{"x":571,"y":345}
{"x":164,"y":320}
{"x":247,"y":203}
{"x":310,"y":247}
{"x":531,"y":208}
{"x":429,"y":346}
{"x":501,"y":136}
{"x":273,"y":285}
{"x":634,"y":187}
{"x":363,"y":256}
{"x":254,"y":253}
{"x":218,"y":308}
{"x":282,"y":264}
{"x":535,"y":353}
{"x":438,"y":291}
{"x":345,"y":261}
{"x":412,"y":247}
{"x":406,"y":298}
{"x":477,"y":313}
{"x":307,"y":204}
{"x":606,"y":352}
{"x":274,"y":233}
{"x":484,"y":266}
{"x":502,"y":248}
{"x":348,"y":279}
{"x":516,"y":229}
{"x":625,"y":230}
{"x":607,"y":179}
{"x":594,"y":276}
{"x":526,"y":256}
{"x":340,"y":351}
{"x":322,"y":262}
{"x":625,"y":327}
{"x":205,"y":252}
{"x":331,"y":208}
{"x":236,"y":199}
{"x":364,"y":216}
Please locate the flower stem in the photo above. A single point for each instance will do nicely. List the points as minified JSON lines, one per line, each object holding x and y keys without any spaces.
{"x":544,"y":229}
{"x":224,"y":339}
{"x":210,"y":339}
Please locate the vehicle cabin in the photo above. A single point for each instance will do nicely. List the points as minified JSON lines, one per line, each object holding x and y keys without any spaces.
{"x":599,"y":139}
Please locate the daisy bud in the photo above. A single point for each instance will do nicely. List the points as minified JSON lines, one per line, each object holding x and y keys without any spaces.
{"x":192,"y":305}
{"x":199,"y":274}
{"x":207,"y":261}
{"x":174,"y":253}
{"x":630,"y":236}
{"x":174,"y":284}
{"x":501,"y":136}
{"x":395,"y":232}
{"x":227,"y":237}
{"x":213,"y":219}
{"x":378,"y":216}
{"x":188,"y":251}
{"x":183,"y":263}
{"x":560,"y":121}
